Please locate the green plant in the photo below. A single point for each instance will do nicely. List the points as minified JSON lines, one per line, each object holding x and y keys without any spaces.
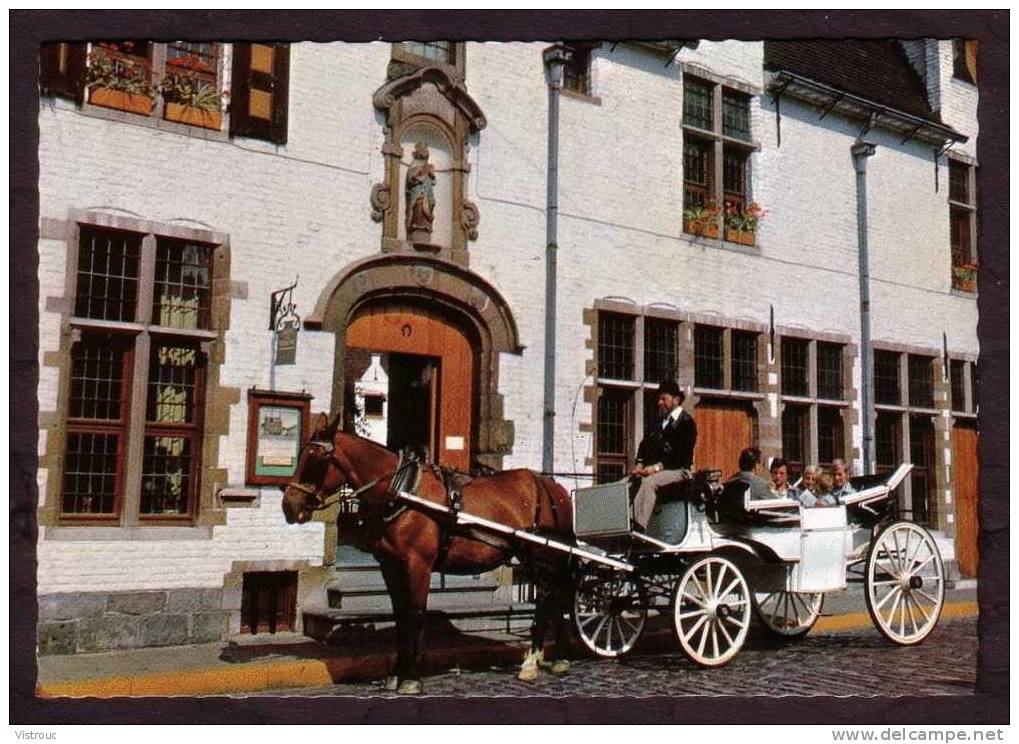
{"x":119,"y":73}
{"x":190,"y":91}
{"x":744,"y":218}
{"x":702,"y":216}
{"x":966,"y":272}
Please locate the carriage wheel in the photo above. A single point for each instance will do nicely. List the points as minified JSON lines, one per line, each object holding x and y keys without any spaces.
{"x":789,"y":615}
{"x":905,"y":583}
{"x":609,"y":612}
{"x":711,"y":609}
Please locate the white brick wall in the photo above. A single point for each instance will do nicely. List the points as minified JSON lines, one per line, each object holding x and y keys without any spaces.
{"x":303,"y":209}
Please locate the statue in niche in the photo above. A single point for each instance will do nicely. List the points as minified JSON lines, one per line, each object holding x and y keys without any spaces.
{"x":420,"y":191}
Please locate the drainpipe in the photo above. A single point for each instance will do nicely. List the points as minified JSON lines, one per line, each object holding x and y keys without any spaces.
{"x":861,"y":151}
{"x":554,"y":58}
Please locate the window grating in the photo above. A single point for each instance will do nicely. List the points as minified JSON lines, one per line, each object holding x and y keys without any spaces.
{"x":958,"y":182}
{"x":173,"y":384}
{"x":91,"y":465}
{"x":794,"y":367}
{"x":829,"y":371}
{"x":921,"y":381}
{"x":887,"y":442}
{"x":107,"y":283}
{"x":614,"y":435}
{"x":697,"y":109}
{"x":183,"y":292}
{"x":659,"y":350}
{"x":744,"y":361}
{"x":166,"y":475}
{"x":707,"y":357}
{"x":886,"y":378}
{"x":697,"y":172}
{"x":615,"y":347}
{"x":974,"y":388}
{"x":921,"y":454}
{"x":97,"y":378}
{"x":829,"y":434}
{"x":734,"y":178}
{"x":736,"y":115}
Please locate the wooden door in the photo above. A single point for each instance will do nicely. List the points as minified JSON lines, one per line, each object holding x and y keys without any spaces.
{"x":965,"y":468}
{"x":428,"y":334}
{"x":724,"y":429}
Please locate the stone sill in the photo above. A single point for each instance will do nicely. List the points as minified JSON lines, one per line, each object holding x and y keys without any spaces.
{"x":232,"y":497}
{"x":594,"y":100}
{"x":114,"y":534}
{"x":962,"y":293}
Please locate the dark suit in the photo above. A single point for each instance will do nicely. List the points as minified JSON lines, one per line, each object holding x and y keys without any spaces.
{"x":671,"y":445}
{"x":669,"y":442}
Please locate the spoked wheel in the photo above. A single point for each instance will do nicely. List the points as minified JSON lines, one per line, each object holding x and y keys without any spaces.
{"x":905,"y":583}
{"x":789,"y":615}
{"x":711,"y":611}
{"x":609,"y":612}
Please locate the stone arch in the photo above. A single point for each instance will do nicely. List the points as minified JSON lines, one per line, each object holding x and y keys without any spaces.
{"x":466,"y":297}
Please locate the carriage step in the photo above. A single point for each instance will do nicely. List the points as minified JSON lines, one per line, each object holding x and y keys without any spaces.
{"x":339,"y":626}
{"x":375,"y":597}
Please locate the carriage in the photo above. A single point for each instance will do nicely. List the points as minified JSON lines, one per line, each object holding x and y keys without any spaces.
{"x":712,"y":558}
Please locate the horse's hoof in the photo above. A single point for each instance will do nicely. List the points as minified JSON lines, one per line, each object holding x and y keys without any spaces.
{"x":391,"y":683}
{"x":559,"y":667}
{"x":528,"y":673}
{"x":410,"y":687}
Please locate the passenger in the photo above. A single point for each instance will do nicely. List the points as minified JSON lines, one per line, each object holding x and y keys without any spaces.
{"x":750,"y":467}
{"x":815,"y":488}
{"x":665,"y":455}
{"x":841,"y":487}
{"x":780,"y":487}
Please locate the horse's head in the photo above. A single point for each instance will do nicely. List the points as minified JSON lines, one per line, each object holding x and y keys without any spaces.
{"x":319,"y":473}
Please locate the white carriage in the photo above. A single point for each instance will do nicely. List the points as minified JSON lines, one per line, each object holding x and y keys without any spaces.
{"x":712,"y":557}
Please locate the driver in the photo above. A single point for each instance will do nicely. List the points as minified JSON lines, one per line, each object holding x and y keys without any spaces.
{"x":665,"y":455}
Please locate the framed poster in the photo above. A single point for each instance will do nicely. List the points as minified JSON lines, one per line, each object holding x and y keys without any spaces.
{"x":278,"y":425}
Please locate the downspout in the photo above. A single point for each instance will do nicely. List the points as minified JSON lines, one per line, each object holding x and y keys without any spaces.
{"x":554,"y":58}
{"x":861,"y":151}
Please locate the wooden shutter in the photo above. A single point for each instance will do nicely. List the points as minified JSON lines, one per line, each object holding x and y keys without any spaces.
{"x":261,"y":77}
{"x":965,"y":467}
{"x":62,"y":69}
{"x":971,"y":59}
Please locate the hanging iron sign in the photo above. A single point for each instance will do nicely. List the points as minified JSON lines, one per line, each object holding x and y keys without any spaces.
{"x":285,"y":324}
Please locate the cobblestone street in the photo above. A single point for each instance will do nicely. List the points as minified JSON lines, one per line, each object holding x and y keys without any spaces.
{"x":856,"y":663}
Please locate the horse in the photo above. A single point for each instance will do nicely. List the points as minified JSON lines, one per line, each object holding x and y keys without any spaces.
{"x":411,"y":542}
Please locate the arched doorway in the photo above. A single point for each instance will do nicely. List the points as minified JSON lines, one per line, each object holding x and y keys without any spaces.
{"x":410,"y":373}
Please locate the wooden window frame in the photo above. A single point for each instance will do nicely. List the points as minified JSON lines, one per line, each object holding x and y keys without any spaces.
{"x":963,"y":253}
{"x":400,"y":53}
{"x":722,"y":148}
{"x":142,"y":334}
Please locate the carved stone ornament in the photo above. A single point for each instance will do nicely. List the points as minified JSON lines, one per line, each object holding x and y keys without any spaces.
{"x":420,"y":196}
{"x":469,"y":218}
{"x":451,"y":86}
{"x":380,"y":201}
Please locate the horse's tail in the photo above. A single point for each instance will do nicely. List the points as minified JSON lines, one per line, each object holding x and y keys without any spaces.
{"x":553,"y":510}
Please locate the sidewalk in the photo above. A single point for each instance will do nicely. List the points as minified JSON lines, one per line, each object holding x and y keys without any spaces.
{"x":290,"y":660}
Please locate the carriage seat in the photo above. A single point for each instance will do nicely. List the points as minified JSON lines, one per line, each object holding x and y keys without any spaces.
{"x":732,"y":505}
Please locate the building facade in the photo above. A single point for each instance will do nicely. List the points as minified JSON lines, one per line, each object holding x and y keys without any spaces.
{"x":708,"y":214}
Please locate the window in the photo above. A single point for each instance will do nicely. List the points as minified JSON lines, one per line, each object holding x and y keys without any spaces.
{"x":374,"y":406}
{"x":921,"y":381}
{"x":886,"y":378}
{"x":179,"y":81}
{"x":921,"y":454}
{"x":744,"y":361}
{"x":577,"y":72}
{"x":974,"y":388}
{"x":615,"y":347}
{"x":958,"y":382}
{"x":707,"y":356}
{"x":795,"y":420}
{"x":659,"y":350}
{"x":887,"y":441}
{"x":829,"y":371}
{"x":716,"y":130}
{"x":437,"y":51}
{"x":830,"y":435}
{"x":794,"y":367}
{"x":635,"y":354}
{"x":121,"y":339}
{"x":441,"y":53}
{"x":964,"y":60}
{"x":962,"y":218}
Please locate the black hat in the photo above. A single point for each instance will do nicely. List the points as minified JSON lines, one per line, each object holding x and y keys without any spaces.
{"x":670,"y":387}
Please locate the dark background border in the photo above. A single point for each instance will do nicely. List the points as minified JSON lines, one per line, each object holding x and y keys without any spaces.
{"x":28,"y":28}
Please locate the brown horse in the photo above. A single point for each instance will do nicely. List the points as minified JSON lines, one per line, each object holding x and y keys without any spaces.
{"x":412,"y":542}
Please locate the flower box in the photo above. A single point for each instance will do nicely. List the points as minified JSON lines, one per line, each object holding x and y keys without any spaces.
{"x":700,"y":228}
{"x":118,"y":99}
{"x":739,"y":236}
{"x":195,"y":117}
{"x":964,"y":285}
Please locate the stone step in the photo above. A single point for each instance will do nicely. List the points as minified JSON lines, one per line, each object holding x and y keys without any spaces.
{"x":357,"y":576}
{"x":340,"y":626}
